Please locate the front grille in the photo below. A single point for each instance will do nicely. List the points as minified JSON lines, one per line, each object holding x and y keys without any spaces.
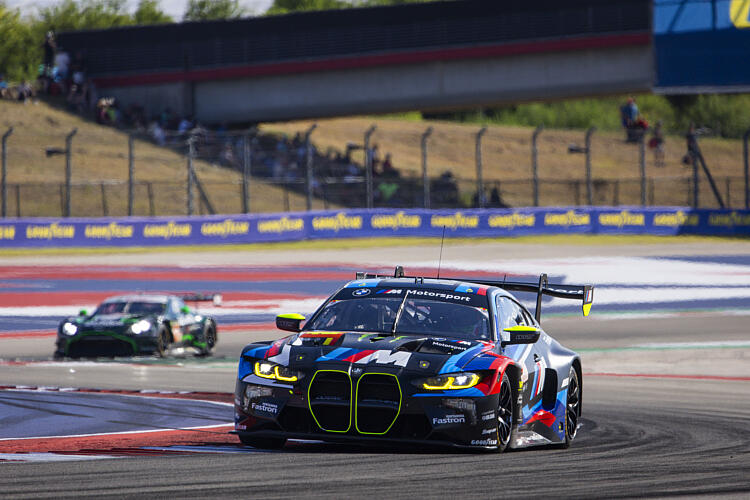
{"x":330,"y":400}
{"x":378,"y":403}
{"x":97,"y":345}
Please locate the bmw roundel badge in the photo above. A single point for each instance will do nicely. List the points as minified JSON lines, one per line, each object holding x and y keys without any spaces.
{"x":361,"y":292}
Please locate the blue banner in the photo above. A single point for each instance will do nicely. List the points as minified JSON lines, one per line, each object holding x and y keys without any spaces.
{"x":295,"y":226}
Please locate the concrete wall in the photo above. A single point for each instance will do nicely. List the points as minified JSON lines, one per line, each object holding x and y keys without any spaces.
{"x":423,"y":86}
{"x":435,"y":85}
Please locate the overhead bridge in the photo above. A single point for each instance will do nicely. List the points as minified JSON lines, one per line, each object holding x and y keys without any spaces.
{"x":373,"y":60}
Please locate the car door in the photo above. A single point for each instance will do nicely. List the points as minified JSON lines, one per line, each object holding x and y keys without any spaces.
{"x":530,"y":357}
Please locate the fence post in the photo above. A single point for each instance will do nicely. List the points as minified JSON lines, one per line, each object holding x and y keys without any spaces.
{"x":480,"y":180}
{"x":745,"y":139}
{"x":246,"y":169}
{"x":3,"y":176}
{"x":131,"y":173}
{"x":425,"y":179}
{"x":68,"y":168}
{"x":534,"y":164}
{"x":589,"y":182}
{"x":368,"y":167}
{"x":191,"y":154}
{"x":309,"y":169}
{"x":642,"y":162}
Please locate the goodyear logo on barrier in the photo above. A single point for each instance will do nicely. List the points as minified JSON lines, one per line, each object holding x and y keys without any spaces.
{"x":676,"y":219}
{"x":7,"y":232}
{"x":52,"y":231}
{"x":169,"y":230}
{"x":620,"y":219}
{"x":739,"y":13}
{"x":282,"y":225}
{"x":512,"y":221}
{"x":225,"y":228}
{"x":398,"y":220}
{"x":108,"y":231}
{"x":732,"y":219}
{"x":567,"y":219}
{"x":455,"y":221}
{"x":337,"y":222}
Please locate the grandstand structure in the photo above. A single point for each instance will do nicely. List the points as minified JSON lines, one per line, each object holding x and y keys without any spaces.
{"x":373,"y":60}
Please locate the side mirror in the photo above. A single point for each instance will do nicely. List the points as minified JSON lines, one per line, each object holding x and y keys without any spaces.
{"x":185,"y":310}
{"x":521,"y":335}
{"x":83,"y":312}
{"x":289,"y":322}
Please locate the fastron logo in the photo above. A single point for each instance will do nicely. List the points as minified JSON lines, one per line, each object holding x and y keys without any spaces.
{"x":361,"y":292}
{"x":449,"y":419}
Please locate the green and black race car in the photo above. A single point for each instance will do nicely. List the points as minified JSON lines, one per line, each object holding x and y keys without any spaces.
{"x":136,"y":325}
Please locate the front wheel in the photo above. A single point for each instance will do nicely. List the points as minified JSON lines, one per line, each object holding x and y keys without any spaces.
{"x":505,"y":412}
{"x":162,"y":343}
{"x":262,"y":443}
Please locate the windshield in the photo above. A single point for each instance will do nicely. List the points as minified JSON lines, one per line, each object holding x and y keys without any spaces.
{"x":130,"y":308}
{"x":418,"y":316}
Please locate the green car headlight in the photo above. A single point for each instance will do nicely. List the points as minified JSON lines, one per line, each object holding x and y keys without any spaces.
{"x":450,"y":381}
{"x":273,"y":371}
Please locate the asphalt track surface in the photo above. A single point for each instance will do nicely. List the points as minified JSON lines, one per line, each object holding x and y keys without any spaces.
{"x":666,"y":413}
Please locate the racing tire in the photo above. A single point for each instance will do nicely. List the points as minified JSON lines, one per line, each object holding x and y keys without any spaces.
{"x":263,"y":443}
{"x":572,"y":408}
{"x":162,"y":342}
{"x":209,"y":337}
{"x":505,"y":413}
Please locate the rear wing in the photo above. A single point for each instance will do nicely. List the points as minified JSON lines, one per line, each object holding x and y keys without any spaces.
{"x":216,"y":298}
{"x":584,"y":293}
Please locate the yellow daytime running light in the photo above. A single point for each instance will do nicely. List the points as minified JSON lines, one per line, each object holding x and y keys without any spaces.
{"x":273,"y":372}
{"x":446,"y":385}
{"x":279,"y":376}
{"x":457,"y":381}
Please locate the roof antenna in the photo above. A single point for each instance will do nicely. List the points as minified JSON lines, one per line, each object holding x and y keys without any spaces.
{"x":440,"y":260}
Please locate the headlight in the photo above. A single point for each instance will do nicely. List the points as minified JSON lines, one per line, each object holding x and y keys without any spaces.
{"x":449,"y":381}
{"x":140,"y":327}
{"x":266,"y":369}
{"x":69,"y":329}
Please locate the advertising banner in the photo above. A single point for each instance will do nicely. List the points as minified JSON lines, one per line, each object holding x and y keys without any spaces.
{"x":295,"y":226}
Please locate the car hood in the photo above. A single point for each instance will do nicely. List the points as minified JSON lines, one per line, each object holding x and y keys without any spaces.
{"x":409,"y":352}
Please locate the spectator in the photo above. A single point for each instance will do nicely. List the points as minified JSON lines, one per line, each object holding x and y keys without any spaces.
{"x":495,"y":199}
{"x":445,"y":190}
{"x":186,"y":124}
{"x":373,"y":157}
{"x":157,"y":133}
{"x":4,"y":91}
{"x":62,"y":63}
{"x":629,"y":113}
{"x":226,"y":157}
{"x":656,"y":144}
{"x":388,"y":170}
{"x":50,"y":47}
{"x":24,"y":91}
{"x":635,"y":126}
